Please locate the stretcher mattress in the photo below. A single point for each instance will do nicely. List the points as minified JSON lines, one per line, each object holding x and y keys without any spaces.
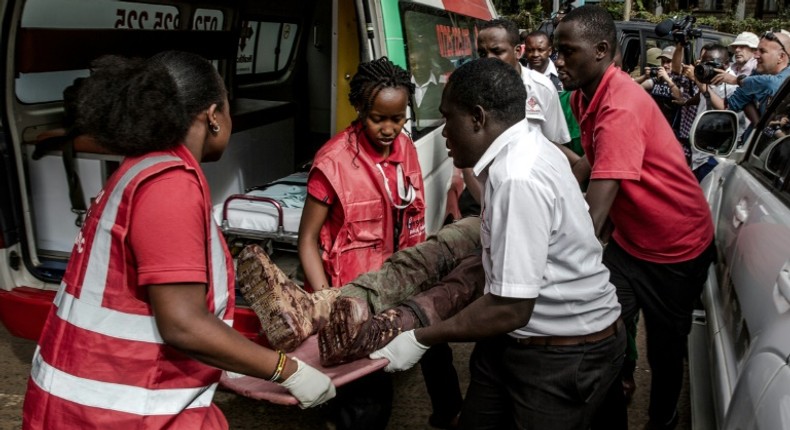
{"x":256,"y":215}
{"x":260,"y":389}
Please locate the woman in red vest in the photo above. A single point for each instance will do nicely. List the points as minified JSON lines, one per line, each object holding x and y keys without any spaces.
{"x":141,"y":325}
{"x":365,"y":200}
{"x":365,"y":192}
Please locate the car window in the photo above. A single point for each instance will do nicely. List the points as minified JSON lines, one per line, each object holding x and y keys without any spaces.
{"x":265,"y":47}
{"x":775,"y":130}
{"x":769,"y":156}
{"x":632,"y":56}
{"x":437,"y":42}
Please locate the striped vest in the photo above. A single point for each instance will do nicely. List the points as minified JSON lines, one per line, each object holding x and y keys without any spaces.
{"x":100,"y":361}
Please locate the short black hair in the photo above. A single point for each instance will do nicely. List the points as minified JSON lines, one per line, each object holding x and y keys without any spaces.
{"x":133,"y":106}
{"x":371,"y":78}
{"x":594,"y":24}
{"x":492,"y":84}
{"x":538,"y":33}
{"x":509,"y":26}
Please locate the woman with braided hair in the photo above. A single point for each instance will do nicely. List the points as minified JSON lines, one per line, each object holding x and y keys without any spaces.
{"x":365,"y":193}
{"x":364,"y":202}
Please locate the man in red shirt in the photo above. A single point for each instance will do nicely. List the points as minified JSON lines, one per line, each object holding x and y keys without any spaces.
{"x":643,"y":200}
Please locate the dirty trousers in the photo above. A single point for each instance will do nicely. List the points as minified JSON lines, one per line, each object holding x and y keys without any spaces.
{"x":436,"y":278}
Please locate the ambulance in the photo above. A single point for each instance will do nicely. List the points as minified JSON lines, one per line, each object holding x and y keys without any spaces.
{"x":286,"y":64}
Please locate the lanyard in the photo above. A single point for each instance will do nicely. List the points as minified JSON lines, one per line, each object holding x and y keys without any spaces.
{"x":406,"y":195}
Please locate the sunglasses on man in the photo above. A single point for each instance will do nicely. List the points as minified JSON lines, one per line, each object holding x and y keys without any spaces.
{"x":770,"y":35}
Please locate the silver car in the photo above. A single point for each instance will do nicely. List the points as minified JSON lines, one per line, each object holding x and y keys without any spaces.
{"x":740,"y":342}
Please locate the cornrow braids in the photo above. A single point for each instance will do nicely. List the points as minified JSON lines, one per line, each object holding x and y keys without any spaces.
{"x":371,"y":78}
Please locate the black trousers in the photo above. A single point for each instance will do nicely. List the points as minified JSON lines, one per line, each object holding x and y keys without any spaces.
{"x":363,"y":404}
{"x":441,"y":381}
{"x":666,"y":294}
{"x":535,"y":387}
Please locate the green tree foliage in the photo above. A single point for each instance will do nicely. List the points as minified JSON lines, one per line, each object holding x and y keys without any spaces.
{"x":528,"y":14}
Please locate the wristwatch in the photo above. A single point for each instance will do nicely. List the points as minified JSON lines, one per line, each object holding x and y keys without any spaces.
{"x":739,"y":79}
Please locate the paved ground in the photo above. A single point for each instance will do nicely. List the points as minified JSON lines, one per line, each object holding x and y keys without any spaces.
{"x":411,"y":408}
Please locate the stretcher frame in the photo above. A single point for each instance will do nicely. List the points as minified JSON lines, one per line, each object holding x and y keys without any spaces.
{"x":280,"y":234}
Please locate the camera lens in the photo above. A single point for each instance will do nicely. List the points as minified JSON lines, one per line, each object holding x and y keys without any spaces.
{"x":705,"y":72}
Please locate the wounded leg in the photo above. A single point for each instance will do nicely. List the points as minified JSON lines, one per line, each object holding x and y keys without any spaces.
{"x":289,"y":315}
{"x":354,"y":332}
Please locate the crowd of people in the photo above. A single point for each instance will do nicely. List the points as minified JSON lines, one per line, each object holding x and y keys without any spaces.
{"x":743,"y":82}
{"x":546,"y":279}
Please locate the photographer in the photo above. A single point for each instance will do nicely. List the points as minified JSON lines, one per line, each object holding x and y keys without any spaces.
{"x":652,"y":64}
{"x":705,"y":74}
{"x":671,"y":90}
{"x":666,"y":85}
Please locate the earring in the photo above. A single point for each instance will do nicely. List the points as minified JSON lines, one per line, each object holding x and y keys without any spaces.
{"x":214,"y":127}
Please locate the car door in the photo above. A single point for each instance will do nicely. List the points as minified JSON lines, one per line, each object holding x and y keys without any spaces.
{"x":748,"y":300}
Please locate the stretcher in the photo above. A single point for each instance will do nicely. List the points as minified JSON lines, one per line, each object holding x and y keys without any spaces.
{"x":272,"y":211}
{"x":261,"y":389}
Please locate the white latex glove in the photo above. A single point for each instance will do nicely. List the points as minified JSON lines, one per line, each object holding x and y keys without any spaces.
{"x":403,"y":352}
{"x":308,"y":385}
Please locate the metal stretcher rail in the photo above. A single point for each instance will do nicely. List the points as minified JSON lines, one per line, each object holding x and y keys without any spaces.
{"x":280,"y":235}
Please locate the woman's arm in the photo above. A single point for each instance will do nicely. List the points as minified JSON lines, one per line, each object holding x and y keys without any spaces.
{"x":184,"y":322}
{"x":314,"y":215}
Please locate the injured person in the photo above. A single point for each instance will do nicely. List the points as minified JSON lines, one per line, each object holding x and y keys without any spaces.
{"x":416,"y":286}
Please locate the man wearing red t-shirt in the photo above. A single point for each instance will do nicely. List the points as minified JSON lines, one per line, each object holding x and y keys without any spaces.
{"x":643,"y":199}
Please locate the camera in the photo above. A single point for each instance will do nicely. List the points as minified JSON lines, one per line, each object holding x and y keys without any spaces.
{"x":682,"y":30}
{"x":653,"y":72}
{"x":705,"y":72}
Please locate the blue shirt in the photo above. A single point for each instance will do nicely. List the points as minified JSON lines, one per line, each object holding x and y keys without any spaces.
{"x":757,"y":88}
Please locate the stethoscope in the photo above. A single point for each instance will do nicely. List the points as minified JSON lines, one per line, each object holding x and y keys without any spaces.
{"x":406,"y":195}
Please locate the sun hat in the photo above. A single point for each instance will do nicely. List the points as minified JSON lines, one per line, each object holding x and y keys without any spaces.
{"x":746,"y":39}
{"x":652,"y":57}
{"x":667,"y":52}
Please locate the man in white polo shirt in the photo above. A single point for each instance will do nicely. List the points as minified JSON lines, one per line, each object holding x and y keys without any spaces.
{"x":549,"y":339}
{"x":499,"y":38}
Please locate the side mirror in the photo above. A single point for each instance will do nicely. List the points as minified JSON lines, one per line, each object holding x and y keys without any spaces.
{"x":714,"y":132}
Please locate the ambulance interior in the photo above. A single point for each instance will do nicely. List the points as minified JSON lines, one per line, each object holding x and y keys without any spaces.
{"x":287,"y":66}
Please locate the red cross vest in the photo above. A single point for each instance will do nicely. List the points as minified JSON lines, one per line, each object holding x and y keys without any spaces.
{"x":367,"y":236}
{"x":101,"y":362}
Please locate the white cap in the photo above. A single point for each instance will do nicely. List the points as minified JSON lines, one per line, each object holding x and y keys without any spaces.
{"x":746,"y":39}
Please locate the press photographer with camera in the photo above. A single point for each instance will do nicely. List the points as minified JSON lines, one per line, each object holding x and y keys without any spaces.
{"x":664,"y":84}
{"x":652,"y":64}
{"x":672,"y":90}
{"x":710,"y":69}
{"x":743,"y":63}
